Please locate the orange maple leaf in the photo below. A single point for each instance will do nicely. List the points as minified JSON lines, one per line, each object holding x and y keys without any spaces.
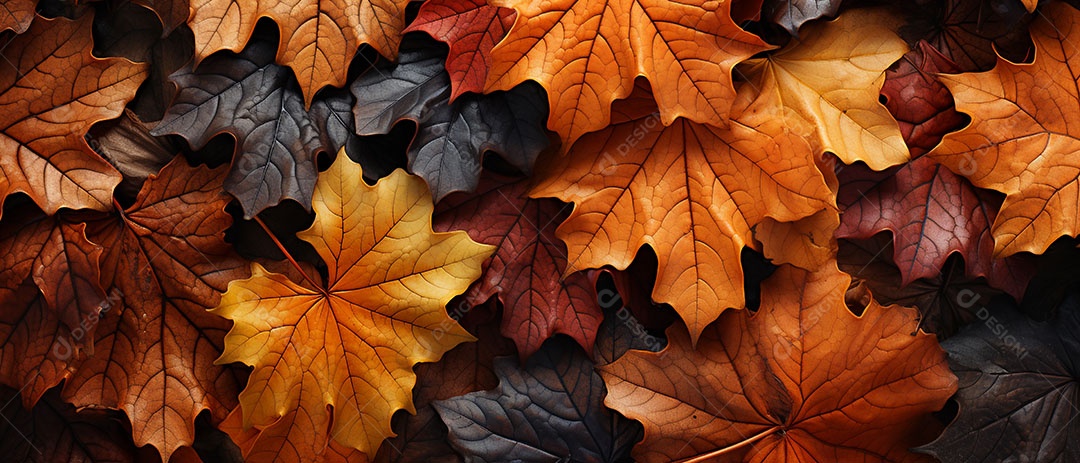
{"x":690,"y":191}
{"x":587,"y":54}
{"x":332,"y":365}
{"x":1022,"y":139}
{"x":803,"y":379}
{"x":318,"y":37}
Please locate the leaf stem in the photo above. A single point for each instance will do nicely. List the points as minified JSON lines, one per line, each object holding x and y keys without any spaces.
{"x":288,"y":255}
{"x":731,"y":448}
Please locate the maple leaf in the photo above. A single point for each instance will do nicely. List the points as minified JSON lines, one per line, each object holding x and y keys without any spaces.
{"x":1018,"y":384}
{"x":1020,"y":141}
{"x":471,"y":28}
{"x":525,"y":270}
{"x":318,"y":37}
{"x":969,"y":31}
{"x":946,"y":301}
{"x":550,"y":409}
{"x":792,"y":14}
{"x":451,"y":138}
{"x":586,"y":54}
{"x":689,"y":191}
{"x":421,"y":437}
{"x":352,"y":345}
{"x":931,"y":211}
{"x":256,"y":101}
{"x":830,"y":82}
{"x":42,"y":150}
{"x":164,"y":263}
{"x":62,"y":263}
{"x":803,"y":379}
{"x":33,"y":353}
{"x":54,"y":432}
{"x":16,"y":15}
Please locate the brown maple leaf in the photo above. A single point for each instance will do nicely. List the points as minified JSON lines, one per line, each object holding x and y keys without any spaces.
{"x":1021,"y":140}
{"x":164,"y":263}
{"x":62,"y":262}
{"x":16,"y":15}
{"x":587,"y":54}
{"x":333,"y":363}
{"x":690,"y":191}
{"x":42,"y":150}
{"x":318,"y":37}
{"x":803,"y":379}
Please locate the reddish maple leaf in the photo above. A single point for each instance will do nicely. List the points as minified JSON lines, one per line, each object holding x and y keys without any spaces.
{"x":526,"y":267}
{"x":471,"y":28}
{"x":931,"y":211}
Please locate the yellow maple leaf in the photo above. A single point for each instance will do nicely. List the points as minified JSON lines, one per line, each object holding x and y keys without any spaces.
{"x":831,"y":81}
{"x":350,"y":346}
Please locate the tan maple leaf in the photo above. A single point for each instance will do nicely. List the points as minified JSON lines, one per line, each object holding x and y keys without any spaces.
{"x":830,"y":80}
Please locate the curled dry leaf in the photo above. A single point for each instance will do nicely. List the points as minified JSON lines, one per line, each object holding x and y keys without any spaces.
{"x":471,"y":28}
{"x":332,"y":364}
{"x":806,"y":243}
{"x":42,"y":149}
{"x":690,"y":191}
{"x":127,"y":144}
{"x":525,"y":271}
{"x":586,"y":54}
{"x":830,"y":81}
{"x":318,"y":37}
{"x":164,"y":264}
{"x":1018,"y":389}
{"x":803,"y":379}
{"x":1021,"y":140}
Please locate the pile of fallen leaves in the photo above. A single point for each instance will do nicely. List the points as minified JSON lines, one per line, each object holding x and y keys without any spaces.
{"x":570,"y":230}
